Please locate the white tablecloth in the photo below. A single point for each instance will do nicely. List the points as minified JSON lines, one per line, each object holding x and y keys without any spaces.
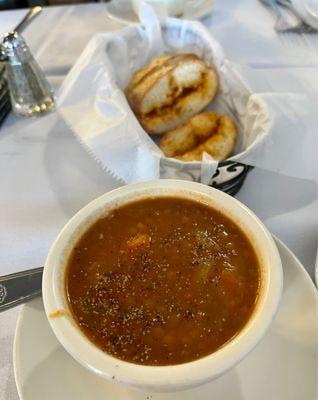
{"x":46,"y":176}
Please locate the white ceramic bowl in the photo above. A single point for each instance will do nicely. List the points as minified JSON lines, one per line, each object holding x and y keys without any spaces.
{"x":161,"y":378}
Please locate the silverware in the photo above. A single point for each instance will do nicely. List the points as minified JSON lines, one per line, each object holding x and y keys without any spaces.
{"x":290,"y":35}
{"x":20,"y":287}
{"x":302,"y":26}
{"x":282,"y":24}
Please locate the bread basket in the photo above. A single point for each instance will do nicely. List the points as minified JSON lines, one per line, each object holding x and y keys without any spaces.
{"x":93,"y":104}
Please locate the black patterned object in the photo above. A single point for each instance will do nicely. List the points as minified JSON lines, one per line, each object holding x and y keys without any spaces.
{"x":230,"y":176}
{"x":5,"y":105}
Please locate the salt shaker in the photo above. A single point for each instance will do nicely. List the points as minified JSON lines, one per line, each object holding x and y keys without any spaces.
{"x":30,"y":92}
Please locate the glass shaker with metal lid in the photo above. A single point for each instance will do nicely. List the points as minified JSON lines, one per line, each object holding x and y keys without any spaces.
{"x":30,"y":91}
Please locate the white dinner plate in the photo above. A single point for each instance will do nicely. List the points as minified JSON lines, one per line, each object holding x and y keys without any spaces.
{"x":282,"y":367}
{"x":122,"y":11}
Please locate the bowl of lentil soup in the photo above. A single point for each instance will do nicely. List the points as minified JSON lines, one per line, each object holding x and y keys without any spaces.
{"x":162,"y":285}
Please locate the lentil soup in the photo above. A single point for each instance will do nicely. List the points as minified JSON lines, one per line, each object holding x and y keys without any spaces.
{"x":162,"y":281}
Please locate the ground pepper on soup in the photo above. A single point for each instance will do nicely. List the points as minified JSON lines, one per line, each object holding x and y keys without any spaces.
{"x":162,"y":281}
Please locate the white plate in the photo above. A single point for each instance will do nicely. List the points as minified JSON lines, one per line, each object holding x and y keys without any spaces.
{"x":282,"y":367}
{"x":122,"y":11}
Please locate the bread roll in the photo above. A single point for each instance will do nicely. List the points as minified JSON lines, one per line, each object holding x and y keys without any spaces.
{"x":190,"y":134}
{"x":185,"y":106}
{"x":219,"y":146}
{"x":170,"y":90}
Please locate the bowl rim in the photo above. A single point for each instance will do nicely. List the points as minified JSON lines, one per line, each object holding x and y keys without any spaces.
{"x":179,"y":376}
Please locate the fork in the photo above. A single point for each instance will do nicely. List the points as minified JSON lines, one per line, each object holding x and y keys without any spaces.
{"x":294,"y":37}
{"x":290,"y":34}
{"x":282,"y":24}
{"x":302,"y":26}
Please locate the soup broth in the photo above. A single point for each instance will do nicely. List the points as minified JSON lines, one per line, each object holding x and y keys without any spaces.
{"x":162,"y":281}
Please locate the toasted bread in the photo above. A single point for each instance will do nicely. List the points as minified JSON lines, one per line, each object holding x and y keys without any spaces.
{"x":141,"y":73}
{"x":189,"y":135}
{"x":219,"y":145}
{"x":189,"y":103}
{"x":170,"y":90}
{"x":162,"y":81}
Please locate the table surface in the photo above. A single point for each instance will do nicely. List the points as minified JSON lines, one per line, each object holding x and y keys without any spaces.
{"x":46,"y":176}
